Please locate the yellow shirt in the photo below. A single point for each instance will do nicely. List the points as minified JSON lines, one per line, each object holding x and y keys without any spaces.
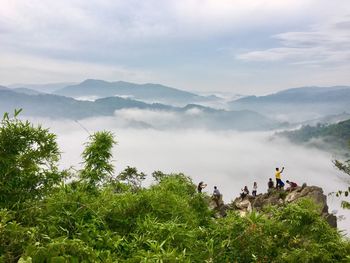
{"x":278,"y":175}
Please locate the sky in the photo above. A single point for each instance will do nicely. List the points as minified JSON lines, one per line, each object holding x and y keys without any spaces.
{"x":236,"y":46}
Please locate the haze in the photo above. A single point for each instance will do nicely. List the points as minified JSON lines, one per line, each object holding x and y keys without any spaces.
{"x":227,"y":159}
{"x":249,"y":47}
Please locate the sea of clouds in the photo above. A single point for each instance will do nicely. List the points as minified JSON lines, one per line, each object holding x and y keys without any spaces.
{"x":228,"y":159}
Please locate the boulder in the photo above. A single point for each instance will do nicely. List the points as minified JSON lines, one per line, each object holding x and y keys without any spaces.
{"x":313,"y":192}
{"x":280,"y":197}
{"x":218,"y":206}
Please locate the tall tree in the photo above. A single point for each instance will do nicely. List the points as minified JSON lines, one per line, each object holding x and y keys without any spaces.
{"x":97,"y":158}
{"x":28,"y":161}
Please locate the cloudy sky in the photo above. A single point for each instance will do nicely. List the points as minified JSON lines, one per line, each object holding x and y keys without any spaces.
{"x":237,"y":46}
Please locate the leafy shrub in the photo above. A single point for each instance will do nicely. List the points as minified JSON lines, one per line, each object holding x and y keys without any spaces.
{"x":99,"y":219}
{"x":28,"y":161}
{"x":13,"y":237}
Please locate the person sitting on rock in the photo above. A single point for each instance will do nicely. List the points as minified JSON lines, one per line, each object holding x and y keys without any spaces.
{"x":217,"y":197}
{"x":245,"y":192}
{"x":201,"y":186}
{"x":255,"y":187}
{"x":279,"y":183}
{"x":292,"y":185}
{"x":270,"y":184}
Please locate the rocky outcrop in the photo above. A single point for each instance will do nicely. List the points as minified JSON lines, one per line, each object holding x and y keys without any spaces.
{"x":280,"y":197}
{"x":218,"y":206}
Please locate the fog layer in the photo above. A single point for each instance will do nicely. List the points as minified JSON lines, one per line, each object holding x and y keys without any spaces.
{"x":227,"y":159}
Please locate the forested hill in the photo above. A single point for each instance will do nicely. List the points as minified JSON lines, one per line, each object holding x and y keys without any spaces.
{"x":336,"y":136}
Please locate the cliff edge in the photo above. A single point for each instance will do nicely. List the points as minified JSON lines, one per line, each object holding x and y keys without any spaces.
{"x":279,"y":197}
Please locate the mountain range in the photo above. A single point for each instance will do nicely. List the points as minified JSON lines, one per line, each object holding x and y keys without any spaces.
{"x":144,"y":92}
{"x":44,"y":88}
{"x":190,"y":116}
{"x":298,"y":104}
{"x":306,"y":105}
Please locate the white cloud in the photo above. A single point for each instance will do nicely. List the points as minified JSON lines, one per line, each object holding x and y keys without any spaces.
{"x":28,"y":68}
{"x":121,"y":19}
{"x":87,"y":98}
{"x":227,"y":159}
{"x":95,"y":27}
{"x":157,"y":118}
{"x":324,"y":44}
{"x":194,"y":112}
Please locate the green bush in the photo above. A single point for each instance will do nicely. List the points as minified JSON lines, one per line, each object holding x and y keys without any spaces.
{"x":28,"y":162}
{"x":101,"y":218}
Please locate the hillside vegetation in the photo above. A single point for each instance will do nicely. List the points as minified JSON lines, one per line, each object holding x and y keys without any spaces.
{"x":329,"y":137}
{"x":92,"y":215}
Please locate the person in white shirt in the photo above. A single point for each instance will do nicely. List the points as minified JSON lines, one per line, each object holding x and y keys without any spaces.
{"x":255,"y":187}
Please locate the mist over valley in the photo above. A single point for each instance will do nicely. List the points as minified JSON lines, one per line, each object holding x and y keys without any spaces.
{"x":226,"y":148}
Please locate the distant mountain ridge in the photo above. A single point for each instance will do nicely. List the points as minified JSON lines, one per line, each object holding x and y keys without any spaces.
{"x":27,"y":91}
{"x":303,"y":94}
{"x":194,"y":116}
{"x":46,"y":88}
{"x":298,"y":104}
{"x":145,"y":92}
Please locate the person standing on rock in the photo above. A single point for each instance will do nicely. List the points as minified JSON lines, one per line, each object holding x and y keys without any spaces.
{"x":270,"y":184}
{"x":217,"y":196}
{"x":292,"y":185}
{"x":245,"y":192}
{"x":216,"y":192}
{"x":255,"y":187}
{"x":279,"y":183}
{"x":201,"y":186}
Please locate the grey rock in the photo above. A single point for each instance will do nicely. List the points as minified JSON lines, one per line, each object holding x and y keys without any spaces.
{"x":280,"y":197}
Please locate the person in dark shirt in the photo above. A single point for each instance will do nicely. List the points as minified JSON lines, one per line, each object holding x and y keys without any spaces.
{"x":245,"y":192}
{"x":201,"y":186}
{"x":270,"y":184}
{"x":292,"y":185}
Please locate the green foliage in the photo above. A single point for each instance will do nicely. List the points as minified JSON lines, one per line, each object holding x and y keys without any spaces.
{"x":132,"y":177}
{"x":165,"y":222}
{"x":28,"y":159}
{"x":62,"y":250}
{"x":294,"y":233}
{"x":334,"y":137}
{"x":158,"y":175}
{"x":13,"y":237}
{"x":345,"y":168}
{"x":97,"y":158}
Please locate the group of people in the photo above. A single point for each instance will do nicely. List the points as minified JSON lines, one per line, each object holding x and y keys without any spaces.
{"x":279,"y":182}
{"x":245,"y":191}
{"x":216,"y":193}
